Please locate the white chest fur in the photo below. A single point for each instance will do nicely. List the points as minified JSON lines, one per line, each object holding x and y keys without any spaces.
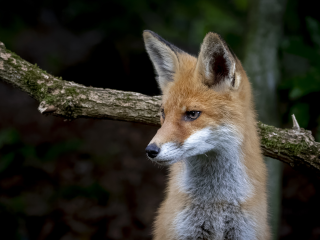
{"x":217,"y":184}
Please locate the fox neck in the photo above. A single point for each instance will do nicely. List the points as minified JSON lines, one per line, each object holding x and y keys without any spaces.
{"x":217,"y":176}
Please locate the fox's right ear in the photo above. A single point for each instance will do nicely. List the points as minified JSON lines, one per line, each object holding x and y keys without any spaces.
{"x":163,"y":55}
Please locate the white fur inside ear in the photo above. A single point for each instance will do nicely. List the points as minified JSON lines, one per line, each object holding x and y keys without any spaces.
{"x":233,"y":69}
{"x":164,"y":60}
{"x":207,"y":68}
{"x":237,"y":81}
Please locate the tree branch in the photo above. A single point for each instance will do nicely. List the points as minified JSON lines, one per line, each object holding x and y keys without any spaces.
{"x":71,"y":100}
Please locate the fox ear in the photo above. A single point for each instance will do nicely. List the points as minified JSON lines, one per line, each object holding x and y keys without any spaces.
{"x":163,"y":55}
{"x":217,"y":64}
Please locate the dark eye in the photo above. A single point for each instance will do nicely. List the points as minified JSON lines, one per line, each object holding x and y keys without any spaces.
{"x":162,"y":113}
{"x":192,"y":115}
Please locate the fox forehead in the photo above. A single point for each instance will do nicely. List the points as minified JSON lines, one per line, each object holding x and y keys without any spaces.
{"x":184,"y":94}
{"x":181,"y":99}
{"x":187,"y":92}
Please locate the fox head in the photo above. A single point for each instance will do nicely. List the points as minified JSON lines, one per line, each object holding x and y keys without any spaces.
{"x":204,"y":99}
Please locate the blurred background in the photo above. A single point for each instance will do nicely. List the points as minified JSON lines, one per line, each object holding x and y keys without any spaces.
{"x":90,"y":179}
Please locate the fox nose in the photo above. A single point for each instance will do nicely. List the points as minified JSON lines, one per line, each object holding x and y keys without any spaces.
{"x":152,"y":150}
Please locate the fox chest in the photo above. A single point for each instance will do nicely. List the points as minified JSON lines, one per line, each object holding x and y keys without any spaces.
{"x":213,"y":222}
{"x":216,"y":191}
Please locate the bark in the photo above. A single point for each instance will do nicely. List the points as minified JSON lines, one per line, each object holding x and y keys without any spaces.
{"x":295,"y":147}
{"x":70,"y":100}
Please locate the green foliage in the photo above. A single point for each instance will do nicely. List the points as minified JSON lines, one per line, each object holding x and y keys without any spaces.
{"x":300,"y":85}
{"x":8,"y":137}
{"x":241,"y":5}
{"x":28,"y":167}
{"x":184,"y":22}
{"x":94,"y":191}
{"x":12,"y":151}
{"x":55,"y":151}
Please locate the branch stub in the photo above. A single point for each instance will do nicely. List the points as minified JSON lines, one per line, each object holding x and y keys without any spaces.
{"x":295,"y":123}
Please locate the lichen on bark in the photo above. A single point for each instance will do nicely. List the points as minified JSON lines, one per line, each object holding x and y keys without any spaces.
{"x":294,"y":147}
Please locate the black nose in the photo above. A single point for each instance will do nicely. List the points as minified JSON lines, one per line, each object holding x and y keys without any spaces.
{"x":152,"y":150}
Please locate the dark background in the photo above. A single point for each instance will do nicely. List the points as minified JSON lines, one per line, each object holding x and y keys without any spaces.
{"x":90,"y":179}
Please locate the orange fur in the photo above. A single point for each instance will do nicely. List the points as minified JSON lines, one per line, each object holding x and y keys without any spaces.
{"x":233,"y":107}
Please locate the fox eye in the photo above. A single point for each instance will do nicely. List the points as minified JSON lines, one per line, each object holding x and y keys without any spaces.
{"x":192,"y":115}
{"x":162,"y":113}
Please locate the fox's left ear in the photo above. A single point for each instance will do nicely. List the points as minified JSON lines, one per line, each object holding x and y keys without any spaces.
{"x":217,"y":64}
{"x":163,"y":55}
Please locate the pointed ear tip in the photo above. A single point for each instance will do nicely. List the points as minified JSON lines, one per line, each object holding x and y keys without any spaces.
{"x":148,"y":33}
{"x":212,"y":35}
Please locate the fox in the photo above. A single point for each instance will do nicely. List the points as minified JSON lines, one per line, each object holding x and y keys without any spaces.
{"x":208,"y":137}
